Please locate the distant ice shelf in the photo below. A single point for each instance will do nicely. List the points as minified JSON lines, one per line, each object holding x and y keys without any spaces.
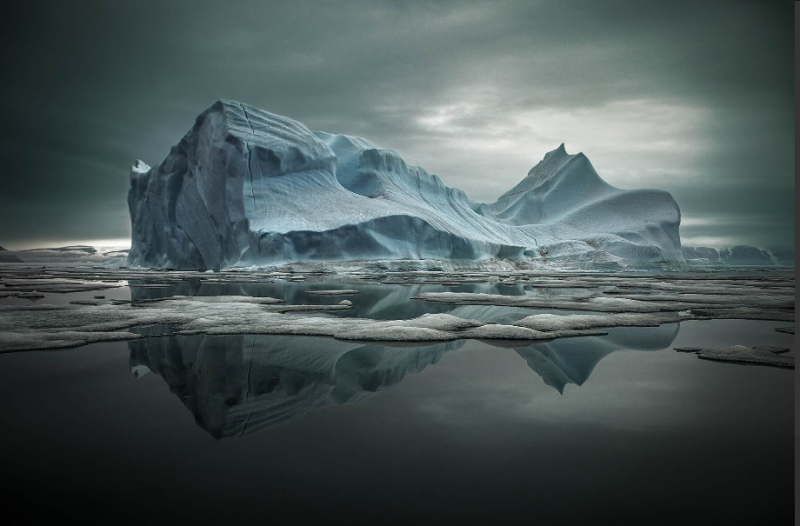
{"x":247,"y":187}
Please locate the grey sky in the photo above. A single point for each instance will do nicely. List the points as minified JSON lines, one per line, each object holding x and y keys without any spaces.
{"x":695,"y":98}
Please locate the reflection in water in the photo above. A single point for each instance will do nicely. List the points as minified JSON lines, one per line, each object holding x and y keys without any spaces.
{"x":376,"y":301}
{"x":240,"y":384}
{"x":572,"y":360}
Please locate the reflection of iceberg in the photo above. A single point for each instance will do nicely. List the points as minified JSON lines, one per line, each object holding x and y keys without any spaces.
{"x":376,"y":301}
{"x":572,"y":360}
{"x":239,"y":384}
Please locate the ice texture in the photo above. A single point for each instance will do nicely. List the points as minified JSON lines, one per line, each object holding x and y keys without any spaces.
{"x":758,"y":355}
{"x":188,"y":303}
{"x":333,"y":292}
{"x":247,"y":187}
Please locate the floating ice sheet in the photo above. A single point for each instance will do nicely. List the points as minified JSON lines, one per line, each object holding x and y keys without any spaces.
{"x":608,"y":300}
{"x":759,"y":355}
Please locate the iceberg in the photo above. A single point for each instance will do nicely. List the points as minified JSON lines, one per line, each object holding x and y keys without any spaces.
{"x":247,"y":187}
{"x":743,"y":255}
{"x":5,"y":257}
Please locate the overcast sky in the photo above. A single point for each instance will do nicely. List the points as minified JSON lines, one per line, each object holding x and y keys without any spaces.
{"x":695,"y":98}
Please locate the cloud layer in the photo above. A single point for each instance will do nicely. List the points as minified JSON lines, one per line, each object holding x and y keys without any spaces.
{"x":695,"y":98}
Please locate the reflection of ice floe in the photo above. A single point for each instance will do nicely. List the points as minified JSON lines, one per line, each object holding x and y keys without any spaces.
{"x":240,"y":384}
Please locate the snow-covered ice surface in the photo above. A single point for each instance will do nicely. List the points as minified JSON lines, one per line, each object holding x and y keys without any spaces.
{"x":687,"y":296}
{"x":56,"y":326}
{"x":758,"y":355}
{"x":248,"y":187}
{"x":389,"y":306}
{"x":334,"y":292}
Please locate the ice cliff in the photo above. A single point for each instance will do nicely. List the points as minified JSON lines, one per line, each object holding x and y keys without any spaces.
{"x":248,"y":187}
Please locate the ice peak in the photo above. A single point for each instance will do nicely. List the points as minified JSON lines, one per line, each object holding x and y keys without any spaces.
{"x":140,"y":167}
{"x":561,"y":151}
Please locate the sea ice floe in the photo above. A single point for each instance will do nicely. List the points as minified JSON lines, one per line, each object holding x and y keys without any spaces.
{"x":333,"y":292}
{"x":51,"y":326}
{"x":552,"y":322}
{"x":758,"y":355}
{"x":607,"y":300}
{"x":53,"y":286}
{"x":725,"y":300}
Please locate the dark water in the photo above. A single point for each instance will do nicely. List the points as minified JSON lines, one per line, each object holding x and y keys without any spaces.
{"x":275,"y":428}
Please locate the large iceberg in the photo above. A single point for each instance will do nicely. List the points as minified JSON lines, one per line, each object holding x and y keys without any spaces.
{"x":247,"y":187}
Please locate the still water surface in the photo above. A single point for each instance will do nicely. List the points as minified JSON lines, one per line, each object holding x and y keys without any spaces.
{"x":276,"y":428}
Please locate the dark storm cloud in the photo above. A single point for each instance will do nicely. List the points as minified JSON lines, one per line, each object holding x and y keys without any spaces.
{"x":695,"y":98}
